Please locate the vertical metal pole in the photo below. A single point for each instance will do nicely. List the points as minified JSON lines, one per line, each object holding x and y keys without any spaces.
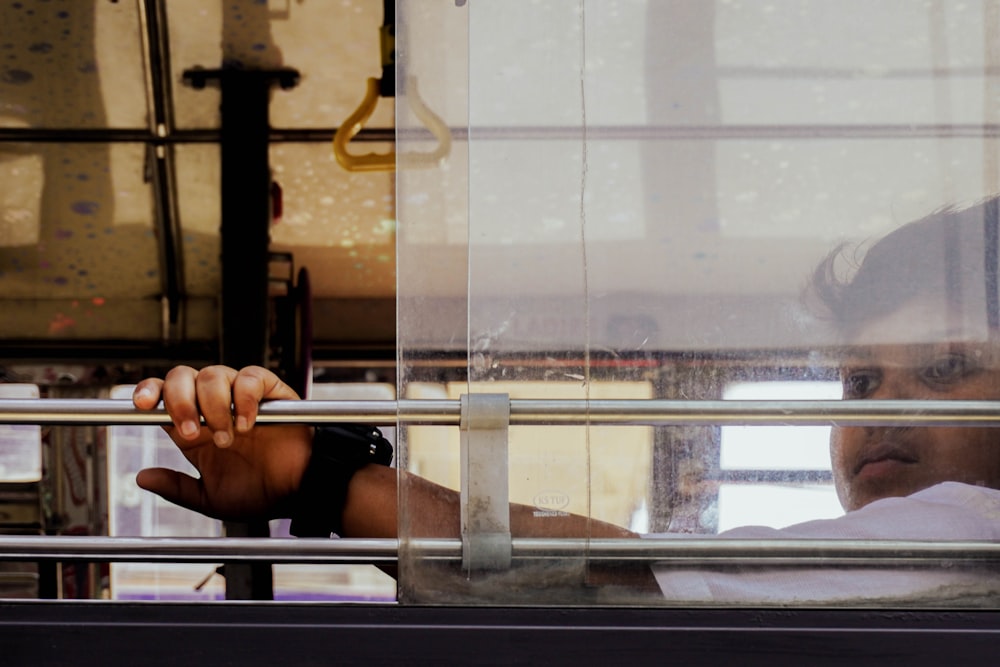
{"x":153,"y":17}
{"x":245,"y":237}
{"x":485,"y":421}
{"x":246,"y":217}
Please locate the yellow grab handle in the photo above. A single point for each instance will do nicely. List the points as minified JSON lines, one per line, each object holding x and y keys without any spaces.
{"x":350,"y":127}
{"x":387,"y":161}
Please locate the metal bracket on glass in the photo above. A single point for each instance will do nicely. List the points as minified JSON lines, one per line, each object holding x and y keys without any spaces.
{"x":485,"y":420}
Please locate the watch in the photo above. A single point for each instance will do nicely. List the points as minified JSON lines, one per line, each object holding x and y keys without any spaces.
{"x":337,"y":453}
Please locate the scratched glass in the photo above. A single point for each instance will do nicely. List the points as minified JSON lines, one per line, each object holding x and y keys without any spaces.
{"x":634,"y":198}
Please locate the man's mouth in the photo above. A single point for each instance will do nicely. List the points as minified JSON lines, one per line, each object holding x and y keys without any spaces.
{"x":887,"y":454}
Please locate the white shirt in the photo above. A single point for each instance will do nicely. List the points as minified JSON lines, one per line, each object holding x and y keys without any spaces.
{"x":945,"y":512}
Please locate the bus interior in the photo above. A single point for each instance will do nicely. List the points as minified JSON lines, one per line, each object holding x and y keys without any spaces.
{"x":604,"y":212}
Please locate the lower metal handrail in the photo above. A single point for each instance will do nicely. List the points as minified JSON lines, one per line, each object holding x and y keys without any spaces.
{"x":680,"y":550}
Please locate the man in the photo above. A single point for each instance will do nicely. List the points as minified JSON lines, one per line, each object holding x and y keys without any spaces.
{"x":919,"y":319}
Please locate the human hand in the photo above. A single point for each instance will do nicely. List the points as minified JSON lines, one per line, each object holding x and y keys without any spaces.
{"x":247,"y":471}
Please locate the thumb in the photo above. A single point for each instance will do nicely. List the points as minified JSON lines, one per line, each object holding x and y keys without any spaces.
{"x":176,"y":487}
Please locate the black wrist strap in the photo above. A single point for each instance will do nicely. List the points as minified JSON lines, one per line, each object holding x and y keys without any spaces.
{"x":337,"y":453}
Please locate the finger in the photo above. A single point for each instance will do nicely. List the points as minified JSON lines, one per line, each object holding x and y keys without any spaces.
{"x":175,"y":487}
{"x":147,"y":393}
{"x":214,"y":391}
{"x":252,"y":385}
{"x":179,"y":398}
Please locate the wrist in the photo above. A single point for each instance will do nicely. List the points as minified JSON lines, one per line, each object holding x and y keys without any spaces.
{"x":338,"y":452}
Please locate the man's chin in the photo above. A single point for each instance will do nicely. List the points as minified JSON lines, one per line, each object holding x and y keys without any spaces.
{"x":865,"y":493}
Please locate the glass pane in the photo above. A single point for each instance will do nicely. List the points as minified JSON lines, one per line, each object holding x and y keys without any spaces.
{"x":642,"y":192}
{"x":494,"y":263}
{"x":432,"y":206}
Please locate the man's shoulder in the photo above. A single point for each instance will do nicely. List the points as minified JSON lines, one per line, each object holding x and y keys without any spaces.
{"x":966,"y":498}
{"x":945,"y":511}
{"x":957,"y":492}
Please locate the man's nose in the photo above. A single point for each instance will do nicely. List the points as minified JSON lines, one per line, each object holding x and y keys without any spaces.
{"x":897,"y":384}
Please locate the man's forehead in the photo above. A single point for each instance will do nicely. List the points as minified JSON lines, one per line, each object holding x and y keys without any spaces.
{"x":917,"y":352}
{"x":924,"y":322}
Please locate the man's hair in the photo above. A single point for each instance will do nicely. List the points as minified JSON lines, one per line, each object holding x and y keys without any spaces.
{"x":950,"y":255}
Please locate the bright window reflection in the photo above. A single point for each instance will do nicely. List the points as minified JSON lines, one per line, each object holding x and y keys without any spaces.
{"x":20,"y":444}
{"x":775,"y":506}
{"x":777,"y":447}
{"x":793,"y":450}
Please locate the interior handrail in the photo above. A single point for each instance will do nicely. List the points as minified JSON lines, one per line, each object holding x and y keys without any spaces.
{"x":678,"y":550}
{"x":566,"y":412}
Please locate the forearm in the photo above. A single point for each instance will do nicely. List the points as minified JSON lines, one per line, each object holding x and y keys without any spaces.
{"x":372,"y":510}
{"x":371,"y":505}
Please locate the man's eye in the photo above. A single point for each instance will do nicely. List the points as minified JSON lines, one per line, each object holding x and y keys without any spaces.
{"x":946,"y":369}
{"x":860,"y":384}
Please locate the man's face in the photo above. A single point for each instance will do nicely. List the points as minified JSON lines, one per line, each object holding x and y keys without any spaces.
{"x":876,"y":462}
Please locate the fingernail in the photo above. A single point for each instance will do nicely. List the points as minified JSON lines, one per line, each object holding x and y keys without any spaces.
{"x":221,"y":438}
{"x":242,"y":425}
{"x":189,"y":429}
{"x":143,"y":393}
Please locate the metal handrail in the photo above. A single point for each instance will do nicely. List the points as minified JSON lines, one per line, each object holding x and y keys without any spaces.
{"x":655,"y":412}
{"x":673,"y":550}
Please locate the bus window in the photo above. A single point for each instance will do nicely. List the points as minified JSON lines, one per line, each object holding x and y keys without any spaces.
{"x":651,"y":185}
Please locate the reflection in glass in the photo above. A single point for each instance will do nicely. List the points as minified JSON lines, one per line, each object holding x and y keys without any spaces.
{"x":647,"y":188}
